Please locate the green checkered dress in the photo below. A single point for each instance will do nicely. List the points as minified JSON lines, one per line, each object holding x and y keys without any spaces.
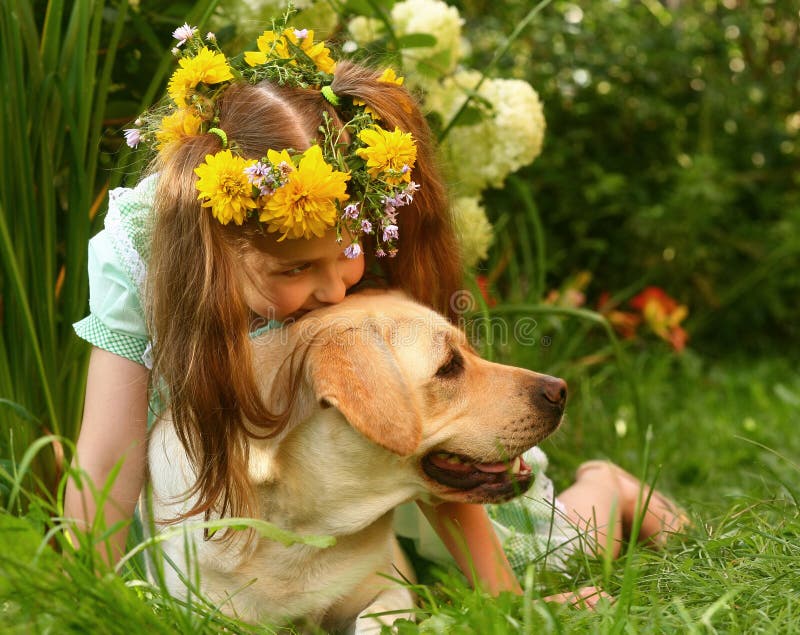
{"x":117,"y":257}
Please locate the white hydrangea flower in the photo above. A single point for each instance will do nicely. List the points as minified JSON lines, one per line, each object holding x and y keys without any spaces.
{"x":364,"y":30}
{"x":438,"y":19}
{"x":508,"y":137}
{"x":473,"y":229}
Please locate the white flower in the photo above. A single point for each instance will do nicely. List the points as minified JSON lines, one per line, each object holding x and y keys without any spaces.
{"x":508,"y":137}
{"x":473,"y":229}
{"x":364,"y":30}
{"x":133,"y":137}
{"x":435,"y":18}
{"x":183,"y":33}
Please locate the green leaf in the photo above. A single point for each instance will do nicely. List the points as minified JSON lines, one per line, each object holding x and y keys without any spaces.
{"x":358,"y":7}
{"x":19,"y":410}
{"x":469,"y":116}
{"x":436,"y":65}
{"x":417,"y":40}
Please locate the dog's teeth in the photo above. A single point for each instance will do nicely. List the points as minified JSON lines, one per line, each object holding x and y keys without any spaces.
{"x":515,"y":465}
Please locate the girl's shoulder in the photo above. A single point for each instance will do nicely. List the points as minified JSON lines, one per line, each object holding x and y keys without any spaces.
{"x":128,"y":224}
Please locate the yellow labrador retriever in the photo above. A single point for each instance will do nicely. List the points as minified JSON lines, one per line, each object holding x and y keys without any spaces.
{"x":393,"y":406}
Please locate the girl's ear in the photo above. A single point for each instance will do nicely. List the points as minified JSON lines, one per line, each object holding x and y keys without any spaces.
{"x":356,"y":372}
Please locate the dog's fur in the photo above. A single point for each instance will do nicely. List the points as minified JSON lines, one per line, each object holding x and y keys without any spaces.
{"x":385,"y":385}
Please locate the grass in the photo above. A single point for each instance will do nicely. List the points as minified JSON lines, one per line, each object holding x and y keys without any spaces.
{"x":721,"y":441}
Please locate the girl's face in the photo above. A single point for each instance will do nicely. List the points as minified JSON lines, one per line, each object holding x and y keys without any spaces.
{"x":287,"y":279}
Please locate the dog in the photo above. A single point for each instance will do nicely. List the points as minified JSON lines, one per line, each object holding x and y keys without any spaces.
{"x":392,"y":405}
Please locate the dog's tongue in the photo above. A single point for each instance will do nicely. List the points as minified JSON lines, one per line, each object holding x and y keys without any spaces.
{"x":446,"y":462}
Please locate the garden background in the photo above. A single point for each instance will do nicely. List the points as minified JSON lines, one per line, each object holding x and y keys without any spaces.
{"x":649,"y":255}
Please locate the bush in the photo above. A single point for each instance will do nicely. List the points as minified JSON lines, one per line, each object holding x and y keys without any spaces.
{"x":672,"y":152}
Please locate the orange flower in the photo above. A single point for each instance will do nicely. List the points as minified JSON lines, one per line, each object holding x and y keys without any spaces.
{"x":663,"y":315}
{"x":484,"y":288}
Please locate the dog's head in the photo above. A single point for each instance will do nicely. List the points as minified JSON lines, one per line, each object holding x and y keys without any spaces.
{"x":408,"y":381}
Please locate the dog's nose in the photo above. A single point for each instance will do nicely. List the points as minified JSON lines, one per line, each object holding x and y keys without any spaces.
{"x":554,"y":390}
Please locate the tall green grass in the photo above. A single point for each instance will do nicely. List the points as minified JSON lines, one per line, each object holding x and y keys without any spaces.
{"x":56,"y":78}
{"x":56,"y":70}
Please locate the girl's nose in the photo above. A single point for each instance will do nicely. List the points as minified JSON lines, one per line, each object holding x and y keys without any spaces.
{"x":331,"y":289}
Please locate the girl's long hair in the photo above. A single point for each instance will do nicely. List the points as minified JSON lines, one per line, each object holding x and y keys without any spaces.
{"x":194,"y":304}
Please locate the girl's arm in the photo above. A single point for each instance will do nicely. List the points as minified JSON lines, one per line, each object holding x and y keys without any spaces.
{"x":114,"y":429}
{"x":468,"y":535}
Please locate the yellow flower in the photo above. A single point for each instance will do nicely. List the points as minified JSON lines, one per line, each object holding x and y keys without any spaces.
{"x":184,"y":122}
{"x":269,"y":43}
{"x":305,"y":205}
{"x":276,"y":158}
{"x":318,"y":52}
{"x":388,"y":153}
{"x":388,"y":76}
{"x":224,"y":187}
{"x":207,"y":67}
{"x":273,"y":46}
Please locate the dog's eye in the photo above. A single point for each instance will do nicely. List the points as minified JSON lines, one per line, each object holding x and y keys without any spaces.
{"x":452,"y":366}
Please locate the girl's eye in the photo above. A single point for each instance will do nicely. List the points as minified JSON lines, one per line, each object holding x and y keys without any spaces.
{"x":294,"y":271}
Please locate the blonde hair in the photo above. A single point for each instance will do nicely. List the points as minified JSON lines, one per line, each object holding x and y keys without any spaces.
{"x":194,"y":304}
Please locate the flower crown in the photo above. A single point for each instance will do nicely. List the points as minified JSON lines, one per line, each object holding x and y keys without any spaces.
{"x":356,"y":187}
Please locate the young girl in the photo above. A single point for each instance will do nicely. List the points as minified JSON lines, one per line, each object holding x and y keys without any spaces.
{"x":278,"y":186}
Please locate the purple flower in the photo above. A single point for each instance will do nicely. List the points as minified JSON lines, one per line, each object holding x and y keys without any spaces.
{"x":133,"y":137}
{"x":380,"y":253}
{"x":183,"y":33}
{"x":366,"y":226}
{"x":256,"y":172}
{"x":350,"y":211}
{"x":353,"y":251}
{"x":405,"y":169}
{"x":301,"y":33}
{"x":390,"y":233}
{"x":412,"y":187}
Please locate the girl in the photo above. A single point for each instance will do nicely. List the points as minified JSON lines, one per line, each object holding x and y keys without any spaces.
{"x":277,"y":185}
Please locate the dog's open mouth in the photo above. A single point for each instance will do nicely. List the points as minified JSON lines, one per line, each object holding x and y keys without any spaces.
{"x":498,"y":480}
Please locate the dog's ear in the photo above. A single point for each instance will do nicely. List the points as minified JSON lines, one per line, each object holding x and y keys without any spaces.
{"x":356,"y":372}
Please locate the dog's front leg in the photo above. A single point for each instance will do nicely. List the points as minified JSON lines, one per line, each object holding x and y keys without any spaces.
{"x":393,"y":602}
{"x":390,"y":605}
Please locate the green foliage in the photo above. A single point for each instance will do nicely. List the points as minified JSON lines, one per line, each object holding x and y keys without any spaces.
{"x":672,"y":152}
{"x":58,"y":64}
{"x":57,"y":76}
{"x":671,"y":159}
